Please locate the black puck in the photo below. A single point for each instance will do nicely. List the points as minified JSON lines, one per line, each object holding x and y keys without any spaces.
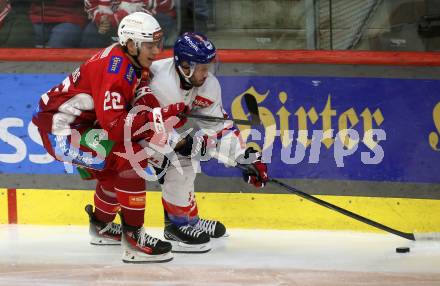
{"x":402,"y":249}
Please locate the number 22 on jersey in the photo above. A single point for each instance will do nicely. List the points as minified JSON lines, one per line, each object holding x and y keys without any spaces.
{"x":112,"y":101}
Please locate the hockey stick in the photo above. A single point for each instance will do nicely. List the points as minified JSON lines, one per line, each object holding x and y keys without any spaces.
{"x":292,"y":190}
{"x":219,"y":119}
{"x":323,"y":203}
{"x":253,"y":110}
{"x":407,"y":235}
{"x":252,"y":106}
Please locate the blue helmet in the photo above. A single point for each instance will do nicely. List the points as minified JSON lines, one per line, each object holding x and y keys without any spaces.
{"x":193,"y":48}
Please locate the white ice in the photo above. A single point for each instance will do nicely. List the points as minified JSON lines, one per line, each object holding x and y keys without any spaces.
{"x":51,"y":255}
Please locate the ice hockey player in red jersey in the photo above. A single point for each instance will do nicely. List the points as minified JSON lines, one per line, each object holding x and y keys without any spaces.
{"x":82,"y":121}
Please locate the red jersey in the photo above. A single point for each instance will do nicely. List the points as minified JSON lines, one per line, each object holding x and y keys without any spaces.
{"x":99,"y":93}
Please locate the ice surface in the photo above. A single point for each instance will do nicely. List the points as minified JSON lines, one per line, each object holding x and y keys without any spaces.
{"x":51,"y":255}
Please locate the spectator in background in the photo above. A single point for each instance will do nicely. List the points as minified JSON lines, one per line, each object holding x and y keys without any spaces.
{"x":165,"y":13}
{"x":105,"y":16}
{"x":5,"y":8}
{"x":15,"y":28}
{"x":58,"y":23}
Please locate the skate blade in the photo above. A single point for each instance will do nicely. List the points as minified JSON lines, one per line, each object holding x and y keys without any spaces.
{"x":137,"y":257}
{"x":180,"y":247}
{"x":103,"y":241}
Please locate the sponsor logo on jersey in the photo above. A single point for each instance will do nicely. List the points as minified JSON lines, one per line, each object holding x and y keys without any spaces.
{"x":115,"y":64}
{"x":201,"y":101}
{"x":129,"y":74}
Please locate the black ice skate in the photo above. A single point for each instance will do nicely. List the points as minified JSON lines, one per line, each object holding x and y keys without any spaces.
{"x":102,"y":233}
{"x":213,"y":228}
{"x":187,"y":238}
{"x":140,"y":247}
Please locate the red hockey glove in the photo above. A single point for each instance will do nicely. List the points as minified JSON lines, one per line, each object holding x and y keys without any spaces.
{"x":167,"y":116}
{"x":257,"y":173}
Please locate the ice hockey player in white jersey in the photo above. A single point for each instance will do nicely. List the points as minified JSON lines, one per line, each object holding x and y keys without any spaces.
{"x":187,"y":77}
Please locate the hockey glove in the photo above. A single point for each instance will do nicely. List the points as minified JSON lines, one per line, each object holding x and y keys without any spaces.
{"x":195,"y":146}
{"x":167,"y":116}
{"x":257,"y":171}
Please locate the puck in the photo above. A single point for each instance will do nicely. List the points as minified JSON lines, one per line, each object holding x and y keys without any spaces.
{"x":402,"y":249}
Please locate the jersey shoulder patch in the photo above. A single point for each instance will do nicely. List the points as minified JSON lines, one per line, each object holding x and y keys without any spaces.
{"x":115,"y":64}
{"x":129,"y":73}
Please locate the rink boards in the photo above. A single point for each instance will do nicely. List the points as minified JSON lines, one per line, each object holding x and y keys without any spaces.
{"x":398,"y":191}
{"x":236,"y":210}
{"x":393,"y":126}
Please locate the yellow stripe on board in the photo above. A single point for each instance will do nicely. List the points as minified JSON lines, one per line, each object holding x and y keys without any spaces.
{"x":3,"y":206}
{"x":241,"y":210}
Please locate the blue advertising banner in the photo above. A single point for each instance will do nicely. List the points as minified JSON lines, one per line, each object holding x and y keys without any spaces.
{"x":313,"y":127}
{"x":397,"y":122}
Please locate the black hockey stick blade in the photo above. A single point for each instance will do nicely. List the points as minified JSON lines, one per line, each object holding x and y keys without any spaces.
{"x":252,"y":107}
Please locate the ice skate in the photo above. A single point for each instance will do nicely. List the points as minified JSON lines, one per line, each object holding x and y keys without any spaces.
{"x":187,"y":238}
{"x":140,"y":247}
{"x":213,"y":228}
{"x":102,"y":233}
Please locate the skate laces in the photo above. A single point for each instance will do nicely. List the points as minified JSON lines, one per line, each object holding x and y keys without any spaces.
{"x":206,"y":225}
{"x":112,"y":228}
{"x":189,"y":230}
{"x":146,"y":239}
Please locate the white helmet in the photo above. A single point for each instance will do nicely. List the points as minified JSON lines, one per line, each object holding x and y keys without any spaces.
{"x":139,"y":27}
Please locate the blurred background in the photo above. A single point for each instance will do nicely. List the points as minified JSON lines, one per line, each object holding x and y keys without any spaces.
{"x":395,"y":25}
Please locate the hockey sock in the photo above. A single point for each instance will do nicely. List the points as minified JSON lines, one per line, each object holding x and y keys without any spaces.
{"x":131,"y":196}
{"x":106,"y":204}
{"x":180,"y":215}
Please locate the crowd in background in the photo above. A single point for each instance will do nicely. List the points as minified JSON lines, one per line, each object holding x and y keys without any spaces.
{"x":88,"y":23}
{"x":397,"y":25}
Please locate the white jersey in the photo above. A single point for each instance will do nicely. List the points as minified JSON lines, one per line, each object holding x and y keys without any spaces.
{"x":203,"y":100}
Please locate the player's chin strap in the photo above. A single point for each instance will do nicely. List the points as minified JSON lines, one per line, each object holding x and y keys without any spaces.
{"x":185,"y":79}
